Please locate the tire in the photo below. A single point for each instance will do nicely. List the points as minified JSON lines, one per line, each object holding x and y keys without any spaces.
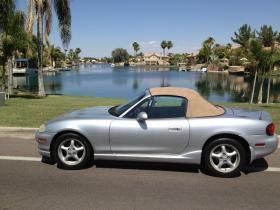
{"x":72,"y":151}
{"x":224,"y":157}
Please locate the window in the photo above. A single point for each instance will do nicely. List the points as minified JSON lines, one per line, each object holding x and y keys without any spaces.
{"x":167,"y":107}
{"x":160,"y":107}
{"x":118,"y":110}
{"x":142,"y":107}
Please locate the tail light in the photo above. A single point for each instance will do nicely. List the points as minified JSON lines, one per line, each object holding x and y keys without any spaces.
{"x":270,"y":129}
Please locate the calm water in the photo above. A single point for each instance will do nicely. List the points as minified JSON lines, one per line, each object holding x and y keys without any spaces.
{"x":104,"y":81}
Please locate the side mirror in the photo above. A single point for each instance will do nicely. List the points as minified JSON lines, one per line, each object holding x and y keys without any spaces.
{"x":142,"y":116}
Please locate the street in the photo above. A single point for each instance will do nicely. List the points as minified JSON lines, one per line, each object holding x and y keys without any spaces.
{"x":26,"y":183}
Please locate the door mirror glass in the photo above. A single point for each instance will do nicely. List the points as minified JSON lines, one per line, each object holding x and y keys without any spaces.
{"x":142,"y":116}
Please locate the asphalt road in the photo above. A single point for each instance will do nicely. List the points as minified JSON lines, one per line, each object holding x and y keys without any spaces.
{"x":30,"y":184}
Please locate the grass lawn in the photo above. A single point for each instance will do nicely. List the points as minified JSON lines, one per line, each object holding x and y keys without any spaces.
{"x":31,"y":111}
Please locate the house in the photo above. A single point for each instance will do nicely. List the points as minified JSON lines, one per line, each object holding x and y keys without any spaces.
{"x":153,"y":59}
{"x":138,"y":60}
{"x":192,"y":58}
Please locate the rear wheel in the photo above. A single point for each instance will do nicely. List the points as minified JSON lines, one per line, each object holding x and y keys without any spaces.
{"x":72,"y":151}
{"x":224,"y":157}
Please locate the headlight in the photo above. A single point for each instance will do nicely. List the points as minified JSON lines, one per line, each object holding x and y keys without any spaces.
{"x":42,"y":128}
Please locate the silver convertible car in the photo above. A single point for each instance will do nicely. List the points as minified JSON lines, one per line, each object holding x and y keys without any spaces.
{"x":169,"y":124}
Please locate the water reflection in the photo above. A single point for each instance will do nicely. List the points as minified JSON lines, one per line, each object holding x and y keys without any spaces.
{"x":103,"y":81}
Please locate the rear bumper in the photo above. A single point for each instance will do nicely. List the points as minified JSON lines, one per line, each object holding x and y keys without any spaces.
{"x":271,"y":144}
{"x":44,"y":143}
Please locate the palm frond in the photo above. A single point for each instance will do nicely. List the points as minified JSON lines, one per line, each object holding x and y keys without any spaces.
{"x":62,"y":9}
{"x":7,"y":8}
{"x":48,"y":19}
{"x":48,"y":16}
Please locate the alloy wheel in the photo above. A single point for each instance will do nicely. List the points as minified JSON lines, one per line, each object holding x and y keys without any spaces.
{"x":224,"y":158}
{"x":71,"y":151}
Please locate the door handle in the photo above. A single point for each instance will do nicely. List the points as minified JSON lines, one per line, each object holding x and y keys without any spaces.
{"x":175,"y":129}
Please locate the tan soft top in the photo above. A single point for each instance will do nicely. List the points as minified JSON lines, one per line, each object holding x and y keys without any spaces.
{"x":197,"y":106}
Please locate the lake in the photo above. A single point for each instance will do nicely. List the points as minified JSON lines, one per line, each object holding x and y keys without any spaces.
{"x":102,"y":80}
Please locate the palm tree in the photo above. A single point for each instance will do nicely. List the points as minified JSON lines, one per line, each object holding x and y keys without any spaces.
{"x":255,"y":50}
{"x":265,"y":63}
{"x":40,"y":11}
{"x":13,"y":39}
{"x":136,"y":47}
{"x":243,"y":37}
{"x":169,"y":45}
{"x":207,"y":48}
{"x":229,"y":46}
{"x":267,"y":35}
{"x":275,"y":57}
{"x":163,"y":46}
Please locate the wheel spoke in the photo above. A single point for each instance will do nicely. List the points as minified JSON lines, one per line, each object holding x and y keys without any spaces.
{"x":66,"y":157}
{"x":230,"y":154}
{"x":220,"y":164}
{"x":216,"y":155}
{"x":79,"y":148}
{"x":72,"y":143}
{"x":230,"y":163}
{"x":76,"y":157}
{"x":64,"y":148}
{"x":224,"y":149}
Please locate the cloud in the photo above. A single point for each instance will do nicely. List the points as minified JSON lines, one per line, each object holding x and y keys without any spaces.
{"x":152,"y":42}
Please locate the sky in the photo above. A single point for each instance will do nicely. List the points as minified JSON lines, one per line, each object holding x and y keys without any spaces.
{"x":99,"y":26}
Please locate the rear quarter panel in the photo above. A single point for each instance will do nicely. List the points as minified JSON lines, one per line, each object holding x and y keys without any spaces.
{"x":201,"y":129}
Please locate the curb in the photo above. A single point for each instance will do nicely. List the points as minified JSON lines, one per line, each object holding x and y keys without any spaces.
{"x":17,"y":129}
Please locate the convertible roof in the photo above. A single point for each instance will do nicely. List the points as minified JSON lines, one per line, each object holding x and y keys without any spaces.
{"x":197,"y":106}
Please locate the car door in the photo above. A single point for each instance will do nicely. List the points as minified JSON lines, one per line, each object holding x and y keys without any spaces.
{"x":166,"y":131}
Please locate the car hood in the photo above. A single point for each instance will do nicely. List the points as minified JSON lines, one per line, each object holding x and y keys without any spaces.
{"x":98,"y":112}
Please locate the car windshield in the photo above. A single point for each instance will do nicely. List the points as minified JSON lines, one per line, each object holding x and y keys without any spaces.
{"x":120,"y":109}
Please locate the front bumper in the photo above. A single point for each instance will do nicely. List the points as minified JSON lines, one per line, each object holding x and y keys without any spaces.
{"x":44,"y":143}
{"x":271,"y":144}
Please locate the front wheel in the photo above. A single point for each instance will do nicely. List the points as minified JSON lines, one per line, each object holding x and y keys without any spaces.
{"x":224,"y":157}
{"x":72,"y":151}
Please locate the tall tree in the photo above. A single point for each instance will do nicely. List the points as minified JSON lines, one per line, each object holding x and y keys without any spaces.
{"x":243,"y":37}
{"x":40,"y":11}
{"x":169,"y":45}
{"x":265,"y":62}
{"x":255,"y":50}
{"x":78,"y":51}
{"x":163,"y":46}
{"x":136,"y":47}
{"x":120,"y":55}
{"x":207,"y":49}
{"x":13,"y":38}
{"x":267,"y":35}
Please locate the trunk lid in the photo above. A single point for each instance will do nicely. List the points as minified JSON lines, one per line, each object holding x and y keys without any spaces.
{"x":249,"y":113}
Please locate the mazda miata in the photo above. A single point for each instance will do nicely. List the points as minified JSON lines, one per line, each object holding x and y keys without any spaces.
{"x":164,"y":124}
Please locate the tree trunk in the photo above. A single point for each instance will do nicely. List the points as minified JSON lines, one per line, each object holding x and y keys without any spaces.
{"x":254,"y":86}
{"x":41,"y":89}
{"x":261,"y":91}
{"x":268,"y":85}
{"x":10,"y":77}
{"x":3,"y":85}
